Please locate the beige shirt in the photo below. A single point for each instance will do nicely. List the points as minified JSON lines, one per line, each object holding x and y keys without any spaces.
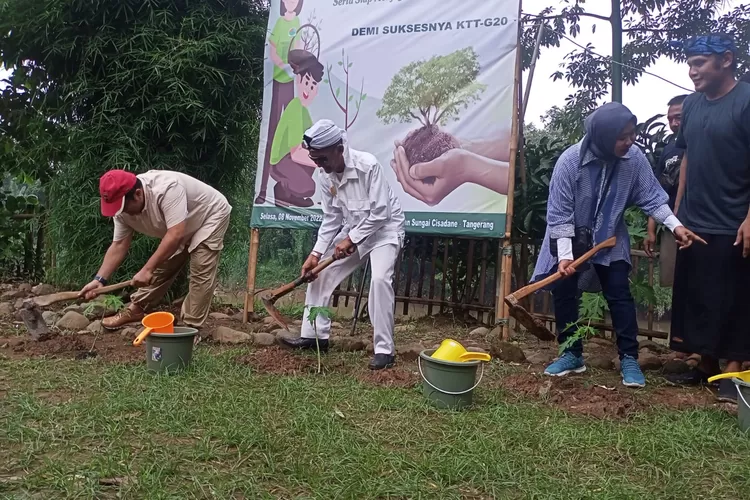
{"x":171,"y":198}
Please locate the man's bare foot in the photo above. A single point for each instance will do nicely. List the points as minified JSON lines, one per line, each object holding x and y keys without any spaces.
{"x":132,"y":314}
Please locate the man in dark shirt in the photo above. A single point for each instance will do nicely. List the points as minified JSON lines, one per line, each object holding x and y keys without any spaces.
{"x":711,"y":299}
{"x":667,"y":172}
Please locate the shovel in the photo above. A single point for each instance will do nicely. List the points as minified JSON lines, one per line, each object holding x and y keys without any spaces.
{"x":32,"y":316}
{"x":535,"y":325}
{"x":269,"y":299}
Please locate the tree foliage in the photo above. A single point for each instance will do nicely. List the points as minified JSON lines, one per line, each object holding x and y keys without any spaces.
{"x":127,"y":84}
{"x":434,"y":91}
{"x":649,"y":29}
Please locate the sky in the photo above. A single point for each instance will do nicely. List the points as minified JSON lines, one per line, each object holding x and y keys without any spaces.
{"x":645,"y":99}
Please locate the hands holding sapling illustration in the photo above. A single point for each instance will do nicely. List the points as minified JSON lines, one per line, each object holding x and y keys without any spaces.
{"x":479,"y":162}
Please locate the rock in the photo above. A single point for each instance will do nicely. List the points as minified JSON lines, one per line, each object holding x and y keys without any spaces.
{"x":370,"y":348}
{"x":506,"y":351}
{"x":24,"y":288}
{"x":649,"y":361}
{"x":264,"y":339}
{"x":616,"y":363}
{"x":600,"y":342}
{"x":95,"y":327}
{"x":292,"y":331}
{"x":348,"y":344}
{"x":12,"y":294}
{"x":409,"y":352}
{"x":43,"y":289}
{"x":129,"y":332}
{"x":94,"y":310}
{"x":401,"y":329}
{"x":600,"y":362}
{"x":336,"y":325}
{"x":479,"y":332}
{"x":676,"y":366}
{"x":18,"y":316}
{"x":540,"y":358}
{"x":225,"y":335}
{"x":19,"y":303}
{"x":268,"y":320}
{"x":72,"y":320}
{"x":6,"y":309}
{"x":50,"y":317}
{"x":652,"y":346}
{"x":219,"y":316}
{"x":297,"y":322}
{"x":474,"y":348}
{"x":75,"y":308}
{"x":496,"y":332}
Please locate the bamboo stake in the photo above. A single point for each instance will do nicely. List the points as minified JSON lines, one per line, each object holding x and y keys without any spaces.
{"x":505,"y":259}
{"x":252,"y":266}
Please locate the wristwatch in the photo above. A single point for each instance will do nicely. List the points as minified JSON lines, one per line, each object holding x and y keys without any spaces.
{"x":316,"y":254}
{"x":100,"y":280}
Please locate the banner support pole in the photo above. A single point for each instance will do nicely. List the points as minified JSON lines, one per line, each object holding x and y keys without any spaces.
{"x":252,"y":266}
{"x":505,"y":251}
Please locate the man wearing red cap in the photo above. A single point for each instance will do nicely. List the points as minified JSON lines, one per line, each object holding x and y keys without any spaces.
{"x":189,"y":217}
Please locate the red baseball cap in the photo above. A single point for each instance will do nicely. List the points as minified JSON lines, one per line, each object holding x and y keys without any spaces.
{"x":113,"y":186}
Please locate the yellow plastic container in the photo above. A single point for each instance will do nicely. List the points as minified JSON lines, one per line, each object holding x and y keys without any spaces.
{"x":158,"y":322}
{"x":452,"y":351}
{"x":744,"y":376}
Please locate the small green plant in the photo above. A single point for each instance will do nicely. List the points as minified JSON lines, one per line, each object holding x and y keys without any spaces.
{"x":108,"y":303}
{"x":592,"y":308}
{"x":314,"y":312}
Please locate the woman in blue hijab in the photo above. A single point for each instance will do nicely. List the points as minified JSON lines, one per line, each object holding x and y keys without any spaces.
{"x":592,"y":185}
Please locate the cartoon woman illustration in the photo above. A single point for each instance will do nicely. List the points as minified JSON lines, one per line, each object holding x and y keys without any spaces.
{"x":290,"y":164}
{"x":282,"y":92}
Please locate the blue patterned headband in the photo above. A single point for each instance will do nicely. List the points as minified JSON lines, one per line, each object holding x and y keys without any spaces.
{"x":708,"y":44}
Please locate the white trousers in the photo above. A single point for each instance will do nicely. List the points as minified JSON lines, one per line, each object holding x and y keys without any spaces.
{"x":380,"y":301}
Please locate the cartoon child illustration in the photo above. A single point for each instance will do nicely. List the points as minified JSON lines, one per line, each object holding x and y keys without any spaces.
{"x":282,"y":91}
{"x":291,"y":166}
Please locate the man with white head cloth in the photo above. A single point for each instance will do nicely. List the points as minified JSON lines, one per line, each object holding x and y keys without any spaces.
{"x":361,"y":217}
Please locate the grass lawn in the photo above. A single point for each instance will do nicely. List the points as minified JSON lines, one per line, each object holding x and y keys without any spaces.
{"x":88,"y":429}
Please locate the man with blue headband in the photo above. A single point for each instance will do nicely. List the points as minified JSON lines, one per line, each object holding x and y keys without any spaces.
{"x":711,"y":297}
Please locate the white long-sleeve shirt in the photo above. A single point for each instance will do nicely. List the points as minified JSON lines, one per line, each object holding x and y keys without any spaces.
{"x":359,"y":204}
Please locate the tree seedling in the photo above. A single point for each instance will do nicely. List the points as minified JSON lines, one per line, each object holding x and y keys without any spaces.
{"x":314,"y":312}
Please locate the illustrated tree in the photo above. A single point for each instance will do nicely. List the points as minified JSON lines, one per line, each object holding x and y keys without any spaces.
{"x":432,"y":92}
{"x":351,"y":100}
{"x":642,"y":32}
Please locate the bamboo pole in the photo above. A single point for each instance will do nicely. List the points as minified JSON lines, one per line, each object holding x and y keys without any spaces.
{"x":252,"y":266}
{"x":505,"y":258}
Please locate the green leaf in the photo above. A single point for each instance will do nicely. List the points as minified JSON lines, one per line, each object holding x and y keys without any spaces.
{"x":338,"y":91}
{"x":364,"y":96}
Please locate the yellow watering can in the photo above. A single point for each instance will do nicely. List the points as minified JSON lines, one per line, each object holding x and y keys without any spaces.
{"x":744,"y":376}
{"x":450,"y":350}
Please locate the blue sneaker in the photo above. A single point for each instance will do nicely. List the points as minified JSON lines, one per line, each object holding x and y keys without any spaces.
{"x":632,"y":376}
{"x":565,"y":364}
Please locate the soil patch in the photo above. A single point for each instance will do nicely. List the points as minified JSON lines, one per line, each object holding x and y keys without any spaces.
{"x":393,"y":377}
{"x":109,"y":347}
{"x":427,"y":143}
{"x":278,"y":361}
{"x":601,"y":399}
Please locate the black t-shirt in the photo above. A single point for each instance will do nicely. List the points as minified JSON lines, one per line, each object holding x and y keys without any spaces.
{"x":668,"y":169}
{"x":716,"y":135}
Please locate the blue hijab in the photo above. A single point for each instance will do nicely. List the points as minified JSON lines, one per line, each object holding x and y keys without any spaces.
{"x":603,"y":127}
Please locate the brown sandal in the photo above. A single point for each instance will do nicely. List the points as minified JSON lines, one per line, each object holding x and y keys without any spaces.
{"x":121,"y":319}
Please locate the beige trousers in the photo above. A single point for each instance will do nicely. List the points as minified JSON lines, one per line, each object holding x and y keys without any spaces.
{"x":204,"y":265}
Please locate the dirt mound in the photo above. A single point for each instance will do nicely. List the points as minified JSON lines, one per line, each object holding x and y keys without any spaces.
{"x":278,"y":361}
{"x":394,"y":377}
{"x":427,"y":143}
{"x":109,"y":347}
{"x":581,"y":396}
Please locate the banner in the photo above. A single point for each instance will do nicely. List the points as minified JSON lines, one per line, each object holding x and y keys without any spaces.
{"x":435,"y":78}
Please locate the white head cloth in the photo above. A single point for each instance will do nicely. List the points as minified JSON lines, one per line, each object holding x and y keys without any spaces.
{"x":322,"y":134}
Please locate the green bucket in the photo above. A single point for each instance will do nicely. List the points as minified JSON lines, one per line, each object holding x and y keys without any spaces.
{"x":743,"y":408}
{"x":446,"y":384}
{"x":170,"y":352}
